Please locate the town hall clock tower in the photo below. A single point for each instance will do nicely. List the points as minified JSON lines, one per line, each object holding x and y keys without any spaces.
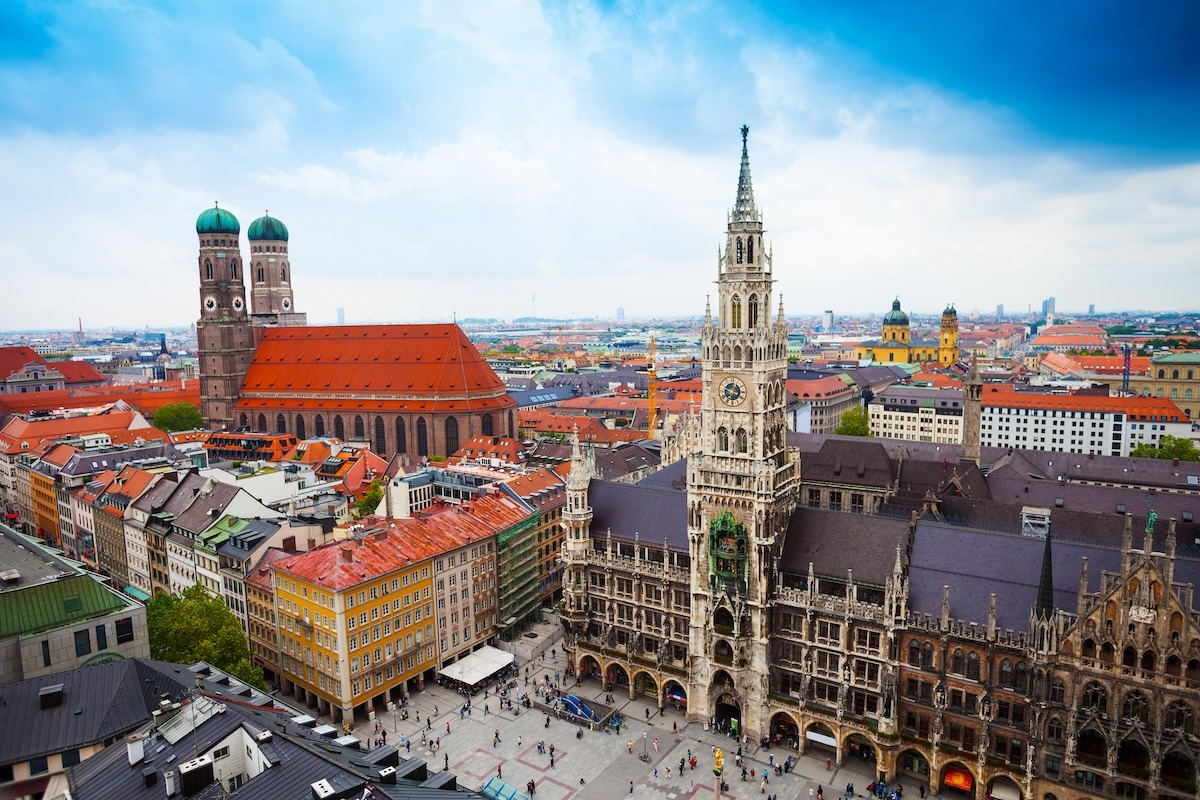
{"x":743,"y":484}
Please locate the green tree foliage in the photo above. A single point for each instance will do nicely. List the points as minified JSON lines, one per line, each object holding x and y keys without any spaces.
{"x":369,"y":501}
{"x":195,"y":626}
{"x":177,"y":417}
{"x":854,"y":423}
{"x":1173,"y":448}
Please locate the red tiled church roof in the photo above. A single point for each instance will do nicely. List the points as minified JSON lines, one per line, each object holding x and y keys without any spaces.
{"x":397,"y":368}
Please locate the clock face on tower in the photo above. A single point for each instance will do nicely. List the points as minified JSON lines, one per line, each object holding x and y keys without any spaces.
{"x":238,"y":303}
{"x":733,"y":391}
{"x":287,"y":303}
{"x":210,"y":303}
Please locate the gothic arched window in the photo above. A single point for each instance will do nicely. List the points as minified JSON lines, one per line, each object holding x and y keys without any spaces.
{"x":752,"y":311}
{"x":283,"y":273}
{"x":262,"y":423}
{"x":1095,"y":696}
{"x":339,"y":428}
{"x":319,"y":425}
{"x":301,"y":431}
{"x":973,"y":666}
{"x":380,"y":437}
{"x":914,"y":653}
{"x":1136,"y":707}
{"x":401,"y":438}
{"x":245,"y":423}
{"x":926,"y":656}
{"x":280,"y":424}
{"x":750,"y":250}
{"x":422,"y":437}
{"x":1022,"y":678}
{"x":722,"y":439}
{"x":958,"y":663}
{"x":233,"y":270}
{"x":260,"y":274}
{"x":1006,"y":673}
{"x":743,"y":441}
{"x":739,"y":251}
{"x":511,"y":430}
{"x":735,"y":312}
{"x":208,"y":270}
{"x":360,"y":431}
{"x":485,"y":425}
{"x":451,"y":435}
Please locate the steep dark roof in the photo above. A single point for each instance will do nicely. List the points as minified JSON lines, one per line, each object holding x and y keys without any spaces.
{"x":652,"y":514}
{"x":98,"y":703}
{"x":837,"y":542}
{"x":860,"y":461}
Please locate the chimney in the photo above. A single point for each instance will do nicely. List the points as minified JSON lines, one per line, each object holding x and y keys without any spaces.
{"x":170,"y":782}
{"x":136,"y":748}
{"x":289,"y":544}
{"x":347,"y":554}
{"x":311,"y":543}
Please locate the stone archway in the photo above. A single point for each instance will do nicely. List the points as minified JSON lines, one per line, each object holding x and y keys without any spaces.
{"x":957,"y":779}
{"x":784,"y":730}
{"x":856,"y":745}
{"x":616,"y":676}
{"x":820,"y":742}
{"x":914,"y":762}
{"x":1003,"y":787}
{"x":589,"y":667}
{"x":1178,"y":771}
{"x":644,"y":683}
{"x":675,"y":693}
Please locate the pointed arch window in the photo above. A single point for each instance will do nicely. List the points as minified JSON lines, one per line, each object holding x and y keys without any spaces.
{"x":1022,"y":678}
{"x":511,"y":430}
{"x":319,"y":425}
{"x":360,"y":431}
{"x":260,"y":274}
{"x":208,"y":273}
{"x":735,"y":312}
{"x":1136,"y":707}
{"x":233,"y":273}
{"x":262,"y":423}
{"x":1006,"y":673}
{"x":339,"y":428}
{"x":743,"y":441}
{"x":422,"y":437}
{"x":723,"y":439}
{"x":280,"y":424}
{"x":926,"y":656}
{"x":1095,"y":696}
{"x":485,"y":424}
{"x":752,"y":311}
{"x":301,"y":429}
{"x":739,"y":251}
{"x":914,"y":653}
{"x":958,"y":662}
{"x":401,"y":437}
{"x":973,"y":666}
{"x":245,"y":422}
{"x":283,"y":273}
{"x":451,"y":435}
{"x":380,"y":437}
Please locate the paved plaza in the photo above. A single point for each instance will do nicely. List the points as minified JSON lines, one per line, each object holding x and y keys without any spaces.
{"x":599,"y":765}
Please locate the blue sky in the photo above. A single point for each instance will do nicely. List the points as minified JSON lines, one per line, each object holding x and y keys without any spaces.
{"x":434,"y":159}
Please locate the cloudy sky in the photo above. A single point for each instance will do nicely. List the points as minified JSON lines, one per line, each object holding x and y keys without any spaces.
{"x":442,"y":158}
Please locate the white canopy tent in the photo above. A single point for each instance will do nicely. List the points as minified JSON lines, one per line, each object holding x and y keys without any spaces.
{"x":473,"y":669}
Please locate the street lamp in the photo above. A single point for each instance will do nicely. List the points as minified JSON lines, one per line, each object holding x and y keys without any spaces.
{"x":644,"y":756}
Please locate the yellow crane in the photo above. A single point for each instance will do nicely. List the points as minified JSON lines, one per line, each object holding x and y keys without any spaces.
{"x":652,"y":394}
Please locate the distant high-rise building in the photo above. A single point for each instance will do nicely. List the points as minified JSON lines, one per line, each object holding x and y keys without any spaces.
{"x":341,"y":316}
{"x":620,"y":315}
{"x":1091,"y":309}
{"x":999,"y":310}
{"x":827,"y":320}
{"x":1048,"y":307}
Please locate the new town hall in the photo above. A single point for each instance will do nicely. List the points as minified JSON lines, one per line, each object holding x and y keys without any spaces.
{"x":997,"y":623}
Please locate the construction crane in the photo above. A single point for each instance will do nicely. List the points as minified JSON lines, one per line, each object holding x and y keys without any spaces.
{"x":652,"y":395}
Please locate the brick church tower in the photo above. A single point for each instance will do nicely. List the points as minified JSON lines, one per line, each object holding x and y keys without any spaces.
{"x":223,"y":332}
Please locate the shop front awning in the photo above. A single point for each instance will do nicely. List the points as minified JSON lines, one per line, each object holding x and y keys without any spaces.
{"x":1003,"y":789}
{"x":475,"y":668}
{"x":820,"y":738}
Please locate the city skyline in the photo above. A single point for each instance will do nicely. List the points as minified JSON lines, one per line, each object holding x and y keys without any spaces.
{"x":530,"y":149}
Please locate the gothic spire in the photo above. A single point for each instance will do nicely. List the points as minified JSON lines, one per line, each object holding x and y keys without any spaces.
{"x":744,"y":209}
{"x":1044,"y":607}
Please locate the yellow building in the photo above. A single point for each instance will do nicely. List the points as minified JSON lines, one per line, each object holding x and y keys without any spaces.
{"x":356,"y":621}
{"x":896,"y":345}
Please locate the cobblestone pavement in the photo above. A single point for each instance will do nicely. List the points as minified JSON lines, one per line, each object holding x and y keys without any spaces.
{"x":598,"y":765}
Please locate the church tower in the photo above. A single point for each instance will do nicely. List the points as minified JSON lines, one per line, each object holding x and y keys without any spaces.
{"x":576,"y":522}
{"x":271,"y":300}
{"x":743,"y":484}
{"x":972,"y":413}
{"x":895,"y":325}
{"x":223,"y":333}
{"x":948,"y":342}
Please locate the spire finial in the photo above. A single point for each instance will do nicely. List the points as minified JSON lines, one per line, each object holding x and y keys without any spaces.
{"x":1045,"y":597}
{"x":744,"y":209}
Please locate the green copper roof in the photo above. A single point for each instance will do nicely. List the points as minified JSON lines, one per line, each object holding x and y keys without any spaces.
{"x":950,"y":312}
{"x":30,"y":610}
{"x":267,"y":228}
{"x":895,"y":316}
{"x":217,"y":220}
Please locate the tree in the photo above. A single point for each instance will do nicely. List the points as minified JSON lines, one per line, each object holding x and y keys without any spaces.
{"x":177,"y":417}
{"x":854,"y":423}
{"x":369,"y":501}
{"x":1173,"y":448}
{"x":196,"y":626}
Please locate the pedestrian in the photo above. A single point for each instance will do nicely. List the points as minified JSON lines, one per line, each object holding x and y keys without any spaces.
{"x":552,"y":751}
{"x":771,"y":760}
{"x":498,"y":775}
{"x":495,"y":741}
{"x":674,"y":727}
{"x":656,"y":773}
{"x":647,"y":715}
{"x":497,"y":734}
{"x":408,"y":746}
{"x":447,"y":727}
{"x":552,"y":761}
{"x":629,"y":746}
{"x":486,"y":711}
{"x":681,"y":767}
{"x":921,"y":789}
{"x":743,"y":773}
{"x":631,"y":787}
{"x":668,"y":769}
{"x":828,"y":763}
{"x":518,"y":741}
{"x":762,"y":784}
{"x":656,"y":744}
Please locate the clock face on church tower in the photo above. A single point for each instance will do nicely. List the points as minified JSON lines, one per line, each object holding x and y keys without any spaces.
{"x":210,"y":303}
{"x":733,"y":391}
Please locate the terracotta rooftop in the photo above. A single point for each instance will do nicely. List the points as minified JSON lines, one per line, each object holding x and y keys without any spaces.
{"x":388,"y":545}
{"x":999,"y":395}
{"x":398,"y":368}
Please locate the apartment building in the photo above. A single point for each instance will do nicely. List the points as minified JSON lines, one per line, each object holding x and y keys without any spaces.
{"x":917,"y":414}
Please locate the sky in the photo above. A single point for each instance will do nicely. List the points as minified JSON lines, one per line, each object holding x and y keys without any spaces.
{"x":441,"y":160}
